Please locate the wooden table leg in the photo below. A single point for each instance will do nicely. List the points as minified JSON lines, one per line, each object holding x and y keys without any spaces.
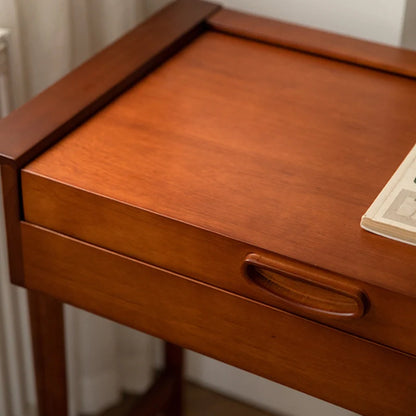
{"x":174,"y":367}
{"x":165,"y":395}
{"x":47,"y":325}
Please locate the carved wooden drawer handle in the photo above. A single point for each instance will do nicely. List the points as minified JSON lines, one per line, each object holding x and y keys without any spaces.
{"x":306,"y":288}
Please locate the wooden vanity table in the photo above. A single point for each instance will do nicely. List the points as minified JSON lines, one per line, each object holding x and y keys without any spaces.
{"x":202,"y":180}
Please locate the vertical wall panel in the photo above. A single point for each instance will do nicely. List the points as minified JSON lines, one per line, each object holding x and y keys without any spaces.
{"x":5,"y":99}
{"x":409,"y":26}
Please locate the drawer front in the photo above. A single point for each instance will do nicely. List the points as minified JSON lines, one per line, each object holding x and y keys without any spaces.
{"x":357,"y":307}
{"x":325,"y":362}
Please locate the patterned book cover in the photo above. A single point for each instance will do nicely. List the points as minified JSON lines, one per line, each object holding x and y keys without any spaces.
{"x":393,"y":213}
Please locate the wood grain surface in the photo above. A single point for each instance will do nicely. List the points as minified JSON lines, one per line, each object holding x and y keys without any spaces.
{"x":231,"y":147}
{"x":326,"y":44}
{"x":12,"y":204}
{"x":212,"y":258}
{"x":48,"y":343}
{"x":337,"y":367}
{"x":278,"y":149}
{"x":38,"y":124}
{"x":44,"y":120}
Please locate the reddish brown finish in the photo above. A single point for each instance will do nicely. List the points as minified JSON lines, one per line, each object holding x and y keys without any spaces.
{"x":35,"y":126}
{"x":232,"y":147}
{"x":244,"y":142}
{"x":310,"y":357}
{"x":174,"y":363}
{"x":11,"y":204}
{"x":190,"y":251}
{"x":44,"y":120}
{"x":305,"y":288}
{"x":344,"y":48}
{"x":46,"y":318}
{"x":250,"y":159}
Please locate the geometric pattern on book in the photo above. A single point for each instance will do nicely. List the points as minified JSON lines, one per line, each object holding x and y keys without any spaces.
{"x":403,"y":208}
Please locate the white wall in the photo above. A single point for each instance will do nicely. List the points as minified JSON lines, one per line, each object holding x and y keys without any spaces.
{"x":376,"y":20}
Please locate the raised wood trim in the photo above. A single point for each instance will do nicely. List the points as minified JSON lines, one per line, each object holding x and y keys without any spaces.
{"x":40,"y":123}
{"x":343,"y":48}
{"x":12,"y":214}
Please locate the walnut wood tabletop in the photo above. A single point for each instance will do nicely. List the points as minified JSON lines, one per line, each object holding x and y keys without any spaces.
{"x":216,"y":204}
{"x":278,"y":149}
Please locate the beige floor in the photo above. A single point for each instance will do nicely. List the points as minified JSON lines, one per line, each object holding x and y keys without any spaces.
{"x":199,"y":402}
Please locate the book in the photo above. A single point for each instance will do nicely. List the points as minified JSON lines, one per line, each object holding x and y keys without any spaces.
{"x":393,"y":212}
